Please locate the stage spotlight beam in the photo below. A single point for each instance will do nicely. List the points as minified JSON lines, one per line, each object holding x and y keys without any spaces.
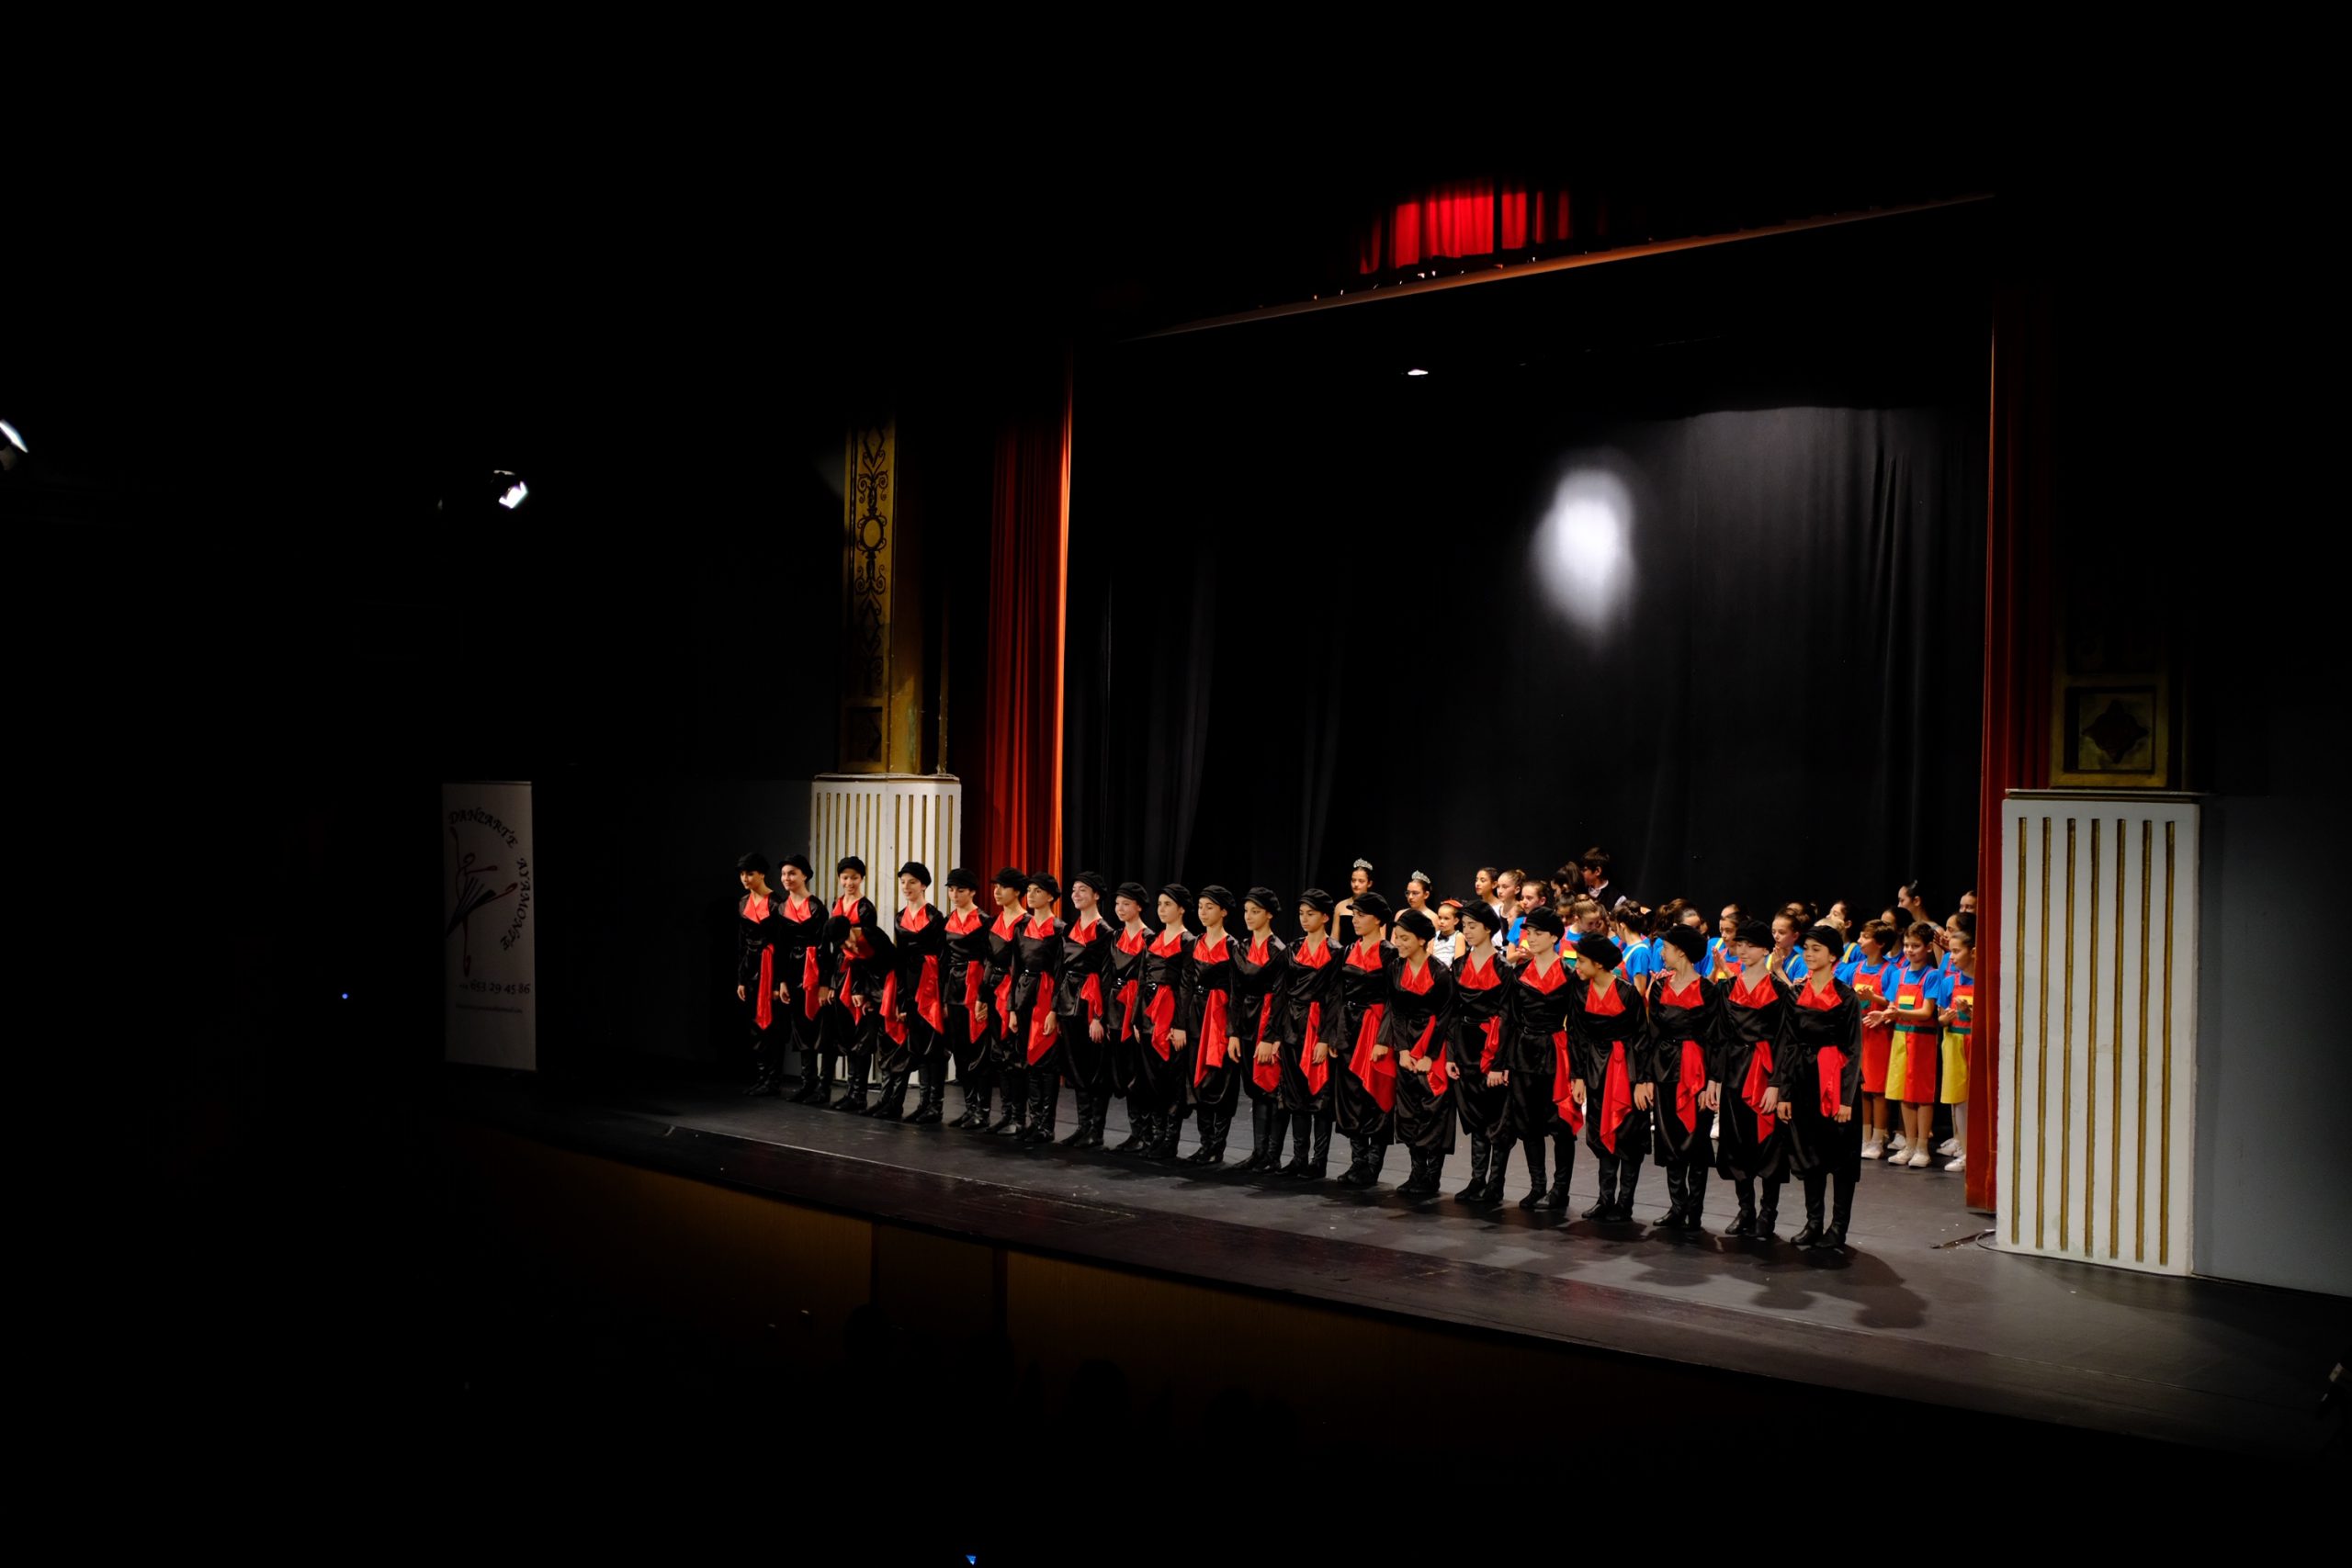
{"x":1583,"y":551}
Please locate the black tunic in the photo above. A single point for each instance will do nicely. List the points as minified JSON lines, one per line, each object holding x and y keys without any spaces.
{"x":1608,"y":1040}
{"x":1815,"y":1024}
{"x":1128,"y":1021}
{"x":1476,"y":1043}
{"x":916,"y":1010}
{"x":1036,"y":971}
{"x":1753,"y":1146}
{"x":1260,"y":969}
{"x":970,"y":1015}
{"x":1310,"y":1016}
{"x":1081,"y":1001}
{"x":1535,"y":1032}
{"x":996,"y":981}
{"x":1419,"y":1010}
{"x":1682,"y":1025}
{"x":800,"y":962}
{"x":1207,"y":1013}
{"x":1159,"y":1067}
{"x":1364,"y":1089}
{"x":857,"y":978}
{"x":759,"y":958}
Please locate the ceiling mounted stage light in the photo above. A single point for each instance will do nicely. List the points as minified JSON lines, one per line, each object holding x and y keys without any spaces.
{"x":514,"y":492}
{"x":12,"y":446}
{"x":1416,"y":372}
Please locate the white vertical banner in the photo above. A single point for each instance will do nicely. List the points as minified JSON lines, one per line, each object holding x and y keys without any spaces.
{"x":489,"y":953}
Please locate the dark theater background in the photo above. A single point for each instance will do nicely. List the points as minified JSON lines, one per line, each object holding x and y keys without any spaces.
{"x":1207,"y":574}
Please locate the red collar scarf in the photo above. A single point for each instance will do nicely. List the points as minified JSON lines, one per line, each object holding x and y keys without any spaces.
{"x":1829,"y":1062}
{"x":755,"y":908}
{"x":798,"y":910}
{"x":1039,"y":926}
{"x":846,"y":908}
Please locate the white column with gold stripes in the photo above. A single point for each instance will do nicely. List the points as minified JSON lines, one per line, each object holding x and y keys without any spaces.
{"x":887,"y":819}
{"x":2099,"y":1028}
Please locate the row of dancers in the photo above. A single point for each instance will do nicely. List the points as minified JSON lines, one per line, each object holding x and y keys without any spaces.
{"x":1725,"y":1061}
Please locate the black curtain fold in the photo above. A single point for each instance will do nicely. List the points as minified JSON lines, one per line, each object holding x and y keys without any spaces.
{"x":1316,"y":584}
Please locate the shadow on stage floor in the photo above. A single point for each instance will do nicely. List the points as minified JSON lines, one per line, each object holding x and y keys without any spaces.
{"x":1918,"y":1310}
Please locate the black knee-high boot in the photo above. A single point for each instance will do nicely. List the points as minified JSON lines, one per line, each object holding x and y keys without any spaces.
{"x":1045,"y":1095}
{"x":1605,"y":1206}
{"x":1694,"y":1191}
{"x":1281,"y":1135}
{"x":854,"y":1074}
{"x":1841,"y":1213}
{"x":890,"y":1105}
{"x":812,"y":1082}
{"x":1171,"y":1132}
{"x":1359,"y":1166}
{"x":1672,"y":1219}
{"x":1629,"y":1176}
{"x":1260,"y":1123}
{"x":1564,"y":1165}
{"x":976,"y":1105}
{"x":1319,"y":1160}
{"x":1745,"y":1224}
{"x":1536,"y":1188}
{"x":934,"y":1091}
{"x":1014,"y":1117}
{"x":1816,"y":1187}
{"x":1769,"y":1211}
{"x":1077,"y":1139}
{"x":1476,"y":1191}
{"x":1299,"y":1129}
{"x":1138,"y":1138}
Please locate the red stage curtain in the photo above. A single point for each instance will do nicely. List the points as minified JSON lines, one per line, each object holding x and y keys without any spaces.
{"x":1463,"y":217}
{"x":1019,"y":787}
{"x":2016,"y":753}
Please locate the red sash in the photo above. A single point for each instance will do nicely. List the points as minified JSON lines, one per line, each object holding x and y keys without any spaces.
{"x":1004,"y":1004}
{"x":1759,"y":1076}
{"x":1039,"y":1041}
{"x":1317,"y":1073}
{"x":1210,"y":1047}
{"x":1563,"y":1100}
{"x":1267,"y":1076}
{"x":1128,"y":995}
{"x":1163,"y":1013}
{"x":1832,"y":1063}
{"x":1690,"y":1085}
{"x":811,"y":978}
{"x":927,"y":1003}
{"x":976,"y":1008}
{"x":892,"y":1024}
{"x":1616,"y":1096}
{"x":767,"y":985}
{"x":1092,"y":994}
{"x":1494,"y":1028}
{"x":1379,"y":1078}
{"x":1437,"y":1067}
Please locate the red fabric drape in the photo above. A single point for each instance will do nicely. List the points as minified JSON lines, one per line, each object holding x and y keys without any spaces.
{"x":1463,"y":218}
{"x":1019,"y":778}
{"x":2017,"y":664}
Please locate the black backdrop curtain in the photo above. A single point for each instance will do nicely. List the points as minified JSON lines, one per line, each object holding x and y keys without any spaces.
{"x":1315,"y":624}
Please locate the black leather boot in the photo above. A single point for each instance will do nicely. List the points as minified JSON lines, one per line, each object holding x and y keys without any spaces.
{"x":1260,"y":1123}
{"x":890,"y":1105}
{"x":1535,"y":1189}
{"x":1605,"y":1206}
{"x":1695,"y":1190}
{"x":1223,"y":1130}
{"x":1280,"y":1135}
{"x":1171,"y":1133}
{"x":1476,"y":1191}
{"x":1014,"y":1103}
{"x":1138,"y":1138}
{"x":1299,"y":1129}
{"x":1842,"y":1213}
{"x":1045,"y":1095}
{"x":1101,"y":1117}
{"x":854,"y":1077}
{"x":1359,"y":1171}
{"x":1814,"y":1181}
{"x":976,"y":1106}
{"x":929,"y":1113}
{"x":812,"y":1082}
{"x":1745,"y":1225}
{"x":767,"y":1069}
{"x":1767,"y":1212}
{"x":1672,"y":1219}
{"x":1629,"y":1176}
{"x":1077,"y":1139}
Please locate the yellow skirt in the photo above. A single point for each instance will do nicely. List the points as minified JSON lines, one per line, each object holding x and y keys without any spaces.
{"x":1955,"y":1079}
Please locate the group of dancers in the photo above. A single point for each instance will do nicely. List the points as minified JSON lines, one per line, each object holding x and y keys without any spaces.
{"x":1744,"y":1055}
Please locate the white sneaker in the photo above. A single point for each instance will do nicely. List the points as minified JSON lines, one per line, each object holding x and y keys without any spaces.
{"x":1872,"y":1150}
{"x":1957,"y":1162}
{"x":1919,"y":1160}
{"x":1899,"y":1144}
{"x":1949,"y":1147}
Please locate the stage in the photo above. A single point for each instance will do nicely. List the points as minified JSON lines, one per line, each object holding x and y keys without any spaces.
{"x":1918,"y":1309}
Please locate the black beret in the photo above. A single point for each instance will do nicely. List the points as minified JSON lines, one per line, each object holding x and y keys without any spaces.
{"x":1600,"y":950}
{"x":1754,"y":934}
{"x":1319,"y":901}
{"x":753,"y":860}
{"x":1829,"y":937}
{"x":1137,"y":891}
{"x":1543,"y":919}
{"x":1045,"y":880}
{"x":1375,"y":906}
{"x":1181,"y":894}
{"x":959,"y":877}
{"x":1221,"y":896}
{"x":917,"y":870}
{"x":1093,"y":879}
{"x":1419,"y":924}
{"x":850,"y":863}
{"x":1688,"y":939}
{"x":1012,"y":878}
{"x":802,"y":862}
{"x":1266,"y":898}
{"x":1479,"y":909}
